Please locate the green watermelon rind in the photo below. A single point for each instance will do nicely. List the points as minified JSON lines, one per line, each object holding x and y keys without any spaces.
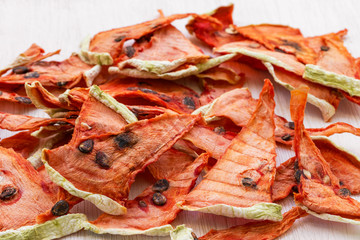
{"x":59,"y":227}
{"x":93,"y":58}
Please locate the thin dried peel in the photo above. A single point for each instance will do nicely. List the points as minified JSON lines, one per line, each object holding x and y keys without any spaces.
{"x":59,"y":227}
{"x":93,"y":58}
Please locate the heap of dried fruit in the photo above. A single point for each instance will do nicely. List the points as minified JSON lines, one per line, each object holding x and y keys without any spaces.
{"x":115,"y":112}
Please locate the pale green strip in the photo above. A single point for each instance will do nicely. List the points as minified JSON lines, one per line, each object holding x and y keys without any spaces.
{"x":330,"y":217}
{"x":91,"y":74}
{"x":181,"y":232}
{"x":59,"y":227}
{"x":156,"y":231}
{"x":260,"y":211}
{"x":93,"y":58}
{"x":102,"y":202}
{"x":157,"y":67}
{"x":191,"y":70}
{"x":327,"y":110}
{"x":330,"y":79}
{"x":264,"y":57}
{"x":111,"y":102}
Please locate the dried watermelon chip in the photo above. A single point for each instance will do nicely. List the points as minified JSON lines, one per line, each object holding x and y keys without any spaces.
{"x":239,"y":184}
{"x":106,"y":159}
{"x":284,"y":180}
{"x":65,"y":74}
{"x":33,"y":54}
{"x":258,"y":230}
{"x":320,"y":192}
{"x":23,"y":143}
{"x":324,"y":98}
{"x":215,"y":28}
{"x":14,"y":122}
{"x":238,"y":105}
{"x":151,"y":212}
{"x":24,"y":193}
{"x":15,"y":95}
{"x":112,"y":41}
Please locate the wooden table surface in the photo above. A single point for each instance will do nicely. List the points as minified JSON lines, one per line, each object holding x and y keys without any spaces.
{"x":63,"y":24}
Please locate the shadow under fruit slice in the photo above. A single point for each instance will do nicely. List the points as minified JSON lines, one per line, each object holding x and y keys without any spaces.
{"x":101,"y":169}
{"x":239,"y":184}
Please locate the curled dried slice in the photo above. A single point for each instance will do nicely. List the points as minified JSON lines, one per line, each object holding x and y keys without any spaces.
{"x":319,"y":188}
{"x":238,"y":105}
{"x":324,"y":98}
{"x":144,"y":214}
{"x":239,"y":184}
{"x":112,"y":41}
{"x":106,"y":159}
{"x":14,"y":122}
{"x":66,"y":74}
{"x":215,"y":28}
{"x":284,"y":180}
{"x":258,"y":230}
{"x":23,"y":143}
{"x":33,"y":54}
{"x":15,"y":95}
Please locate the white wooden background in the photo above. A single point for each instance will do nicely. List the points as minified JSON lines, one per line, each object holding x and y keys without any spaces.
{"x":63,"y":24}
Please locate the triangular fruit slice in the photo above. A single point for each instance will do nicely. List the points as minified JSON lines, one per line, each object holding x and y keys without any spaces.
{"x":320,"y":192}
{"x":239,"y":184}
{"x":151,"y":212}
{"x":26,"y":195}
{"x":102,"y":169}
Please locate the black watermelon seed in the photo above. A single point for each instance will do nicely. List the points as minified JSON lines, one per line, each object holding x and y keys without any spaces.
{"x":189,"y":102}
{"x":290,"y":125}
{"x":129,"y":51}
{"x":286,"y":137}
{"x":279,"y":50}
{"x":324,"y":48}
{"x":159,"y":199}
{"x":8,"y":193}
{"x":194,"y":236}
{"x":345,"y":192}
{"x":297,"y":175}
{"x":146,"y":90}
{"x":20,"y":70}
{"x":142,"y":204}
{"x":32,"y":75}
{"x":248,"y":182}
{"x":295,"y":189}
{"x":61,"y":84}
{"x":86,"y":146}
{"x":24,"y":100}
{"x":341,"y":183}
{"x":102,"y":160}
{"x":119,"y":39}
{"x":219,"y":130}
{"x":161,"y":185}
{"x":125,"y":140}
{"x":60,"y":208}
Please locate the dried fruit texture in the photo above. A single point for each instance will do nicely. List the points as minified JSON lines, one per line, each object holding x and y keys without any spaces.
{"x":172,"y":162}
{"x":153,"y":92}
{"x":101,"y":165}
{"x":24,"y":193}
{"x":206,"y":139}
{"x":22,"y":143}
{"x":147,"y":112}
{"x":325,"y":98}
{"x":167,"y":44}
{"x":96,"y":119}
{"x":13,"y":122}
{"x":238,"y":105}
{"x":67,"y":73}
{"x":143,"y":213}
{"x":33,"y":54}
{"x":15,"y":95}
{"x":319,"y":189}
{"x":215,"y":29}
{"x":264,"y":230}
{"x":343,"y":164}
{"x":251,"y":155}
{"x":112,"y":41}
{"x":285,"y":38}
{"x":339,"y":127}
{"x":284,"y":180}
